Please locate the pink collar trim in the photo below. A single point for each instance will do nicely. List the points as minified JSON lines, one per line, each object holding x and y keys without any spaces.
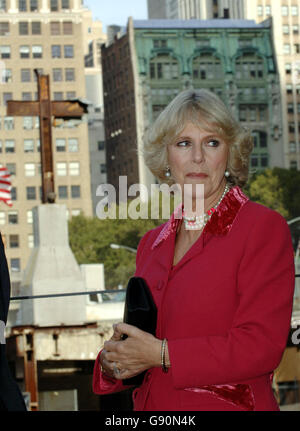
{"x":220,"y":222}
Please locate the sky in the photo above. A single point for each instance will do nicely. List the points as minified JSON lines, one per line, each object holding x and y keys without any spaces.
{"x":117,"y":11}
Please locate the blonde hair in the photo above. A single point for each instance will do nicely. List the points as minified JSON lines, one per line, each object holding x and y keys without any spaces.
{"x":207,"y":111}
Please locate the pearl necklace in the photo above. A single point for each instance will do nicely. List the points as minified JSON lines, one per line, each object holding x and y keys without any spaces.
{"x":198,"y":222}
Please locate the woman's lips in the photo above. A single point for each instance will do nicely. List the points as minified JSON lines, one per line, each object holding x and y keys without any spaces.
{"x":195,"y":175}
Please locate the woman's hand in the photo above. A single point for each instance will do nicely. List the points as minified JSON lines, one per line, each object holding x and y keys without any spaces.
{"x":122,"y":359}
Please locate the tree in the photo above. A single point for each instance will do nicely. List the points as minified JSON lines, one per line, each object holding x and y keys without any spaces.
{"x":266,"y":189}
{"x":278,"y":189}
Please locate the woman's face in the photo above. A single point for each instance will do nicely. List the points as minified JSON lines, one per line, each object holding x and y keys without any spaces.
{"x":198,"y":157}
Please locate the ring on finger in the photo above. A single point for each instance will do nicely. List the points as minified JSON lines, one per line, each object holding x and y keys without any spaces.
{"x":116,"y":369}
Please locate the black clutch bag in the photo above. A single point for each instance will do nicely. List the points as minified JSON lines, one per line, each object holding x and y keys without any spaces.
{"x":140,"y":311}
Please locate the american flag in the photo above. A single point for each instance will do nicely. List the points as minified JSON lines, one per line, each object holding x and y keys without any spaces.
{"x":5,"y":186}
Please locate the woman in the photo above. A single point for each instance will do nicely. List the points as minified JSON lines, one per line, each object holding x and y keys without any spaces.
{"x":223,"y":283}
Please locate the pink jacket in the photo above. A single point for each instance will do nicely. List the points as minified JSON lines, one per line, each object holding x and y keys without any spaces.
{"x":225,"y":309}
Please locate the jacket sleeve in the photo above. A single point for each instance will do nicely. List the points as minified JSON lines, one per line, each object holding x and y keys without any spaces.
{"x":257,"y":339}
{"x":4,"y":284}
{"x":104,"y":385}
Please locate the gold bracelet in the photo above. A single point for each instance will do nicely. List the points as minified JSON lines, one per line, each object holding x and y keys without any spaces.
{"x":163,"y":359}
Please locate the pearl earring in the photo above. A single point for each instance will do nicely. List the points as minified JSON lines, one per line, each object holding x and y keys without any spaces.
{"x":227,"y":174}
{"x":168,"y":172}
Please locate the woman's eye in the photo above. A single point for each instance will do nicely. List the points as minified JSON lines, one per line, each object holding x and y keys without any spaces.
{"x":213,"y":143}
{"x":182,"y":144}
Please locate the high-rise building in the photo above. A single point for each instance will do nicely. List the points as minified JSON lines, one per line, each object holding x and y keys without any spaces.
{"x":94,"y":38}
{"x":155,"y":59}
{"x":47,"y":35}
{"x":157,"y":9}
{"x":186,"y":9}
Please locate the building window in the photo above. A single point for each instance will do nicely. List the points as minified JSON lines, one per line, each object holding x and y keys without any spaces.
{"x":288,"y":68}
{"x":26,"y":96}
{"x":287,"y":48}
{"x":2,"y":218}
{"x":7,"y":97}
{"x":73,"y":145}
{"x":293,"y":164}
{"x":4,"y":28}
{"x":15,"y":265}
{"x":9,"y":146}
{"x":160,"y":43}
{"x":74,"y":169}
{"x":102,"y":168}
{"x":286,"y":29}
{"x":24,"y":51}
{"x":5,"y":51}
{"x":284,"y":10}
{"x":61,"y":169}
{"x":58,"y":95}
{"x":60,"y":145}
{"x":207,"y":67}
{"x":67,"y":28}
{"x":31,"y":193}
{"x":69,"y":51}
{"x":101,"y":145}
{"x":22,"y":5}
{"x":29,"y":217}
{"x":13,"y":193}
{"x":268,"y":10}
{"x":292,"y":146}
{"x":36,"y":28}
{"x":37,"y":51}
{"x":29,"y":169}
{"x":63,"y":192}
{"x":294,"y":10}
{"x":30,"y":241}
{"x":9,"y":123}
{"x":14,"y":241}
{"x":249,"y":67}
{"x":23,"y":28}
{"x":56,"y":51}
{"x":259,"y":10}
{"x":33,"y":5}
{"x":55,"y":28}
{"x":262,"y":112}
{"x":289,"y":89}
{"x":70,"y":74}
{"x":54,"y":5}
{"x":25,"y":75}
{"x":11,"y":167}
{"x":75,"y":192}
{"x":57,"y":75}
{"x":65,"y":4}
{"x":13,"y":217}
{"x":164,"y":67}
{"x":71,"y":95}
{"x":27,"y":123}
{"x":291,"y":128}
{"x":290,"y":108}
{"x":296,"y":48}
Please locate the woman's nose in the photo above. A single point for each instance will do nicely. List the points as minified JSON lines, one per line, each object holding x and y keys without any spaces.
{"x":197,"y":153}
